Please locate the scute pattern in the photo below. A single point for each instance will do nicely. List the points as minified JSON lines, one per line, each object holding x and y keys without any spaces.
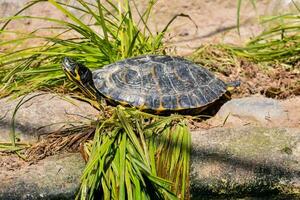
{"x":159,"y":83}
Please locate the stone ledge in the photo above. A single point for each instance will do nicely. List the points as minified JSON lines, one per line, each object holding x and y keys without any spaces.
{"x":234,"y":160}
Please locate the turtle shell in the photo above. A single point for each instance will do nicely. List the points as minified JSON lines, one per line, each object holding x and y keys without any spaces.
{"x":158,"y":83}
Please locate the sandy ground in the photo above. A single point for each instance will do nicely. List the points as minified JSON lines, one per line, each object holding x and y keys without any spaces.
{"x":211,"y":21}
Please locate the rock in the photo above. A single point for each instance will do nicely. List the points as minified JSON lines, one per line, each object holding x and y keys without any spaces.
{"x":42,"y":113}
{"x":245,"y":161}
{"x":240,"y":162}
{"x":56,"y":177}
{"x":259,"y":111}
{"x":292,"y":106}
{"x":259,"y":158}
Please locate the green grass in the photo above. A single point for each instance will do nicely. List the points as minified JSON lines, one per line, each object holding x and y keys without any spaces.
{"x":280,"y":41}
{"x":135,"y":155}
{"x":111,"y":34}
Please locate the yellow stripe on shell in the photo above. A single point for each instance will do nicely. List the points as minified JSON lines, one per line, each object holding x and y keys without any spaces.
{"x":160,"y":108}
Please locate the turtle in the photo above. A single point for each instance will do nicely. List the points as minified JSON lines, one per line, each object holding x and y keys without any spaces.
{"x":152,"y":83}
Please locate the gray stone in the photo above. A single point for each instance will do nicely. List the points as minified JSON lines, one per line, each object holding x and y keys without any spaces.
{"x":56,"y":177}
{"x":260,"y":109}
{"x":245,"y":161}
{"x":42,"y":113}
{"x":237,"y":161}
{"x":241,"y":162}
{"x":292,"y":107}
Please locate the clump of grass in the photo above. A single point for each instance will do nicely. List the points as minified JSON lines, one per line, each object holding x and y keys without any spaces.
{"x":276,"y":79}
{"x":111,"y":34}
{"x":216,"y":57}
{"x":135,"y":155}
{"x":279,"y":42}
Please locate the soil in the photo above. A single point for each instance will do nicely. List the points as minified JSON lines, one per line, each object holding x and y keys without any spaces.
{"x":208,"y":21}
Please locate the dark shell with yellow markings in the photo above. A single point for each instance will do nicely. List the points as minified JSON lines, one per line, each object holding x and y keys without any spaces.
{"x":159,"y":83}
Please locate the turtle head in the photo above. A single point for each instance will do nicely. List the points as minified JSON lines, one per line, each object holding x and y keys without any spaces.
{"x":80,"y":75}
{"x":76,"y":71}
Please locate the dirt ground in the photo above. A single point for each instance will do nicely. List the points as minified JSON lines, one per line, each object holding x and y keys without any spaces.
{"x":211,"y":21}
